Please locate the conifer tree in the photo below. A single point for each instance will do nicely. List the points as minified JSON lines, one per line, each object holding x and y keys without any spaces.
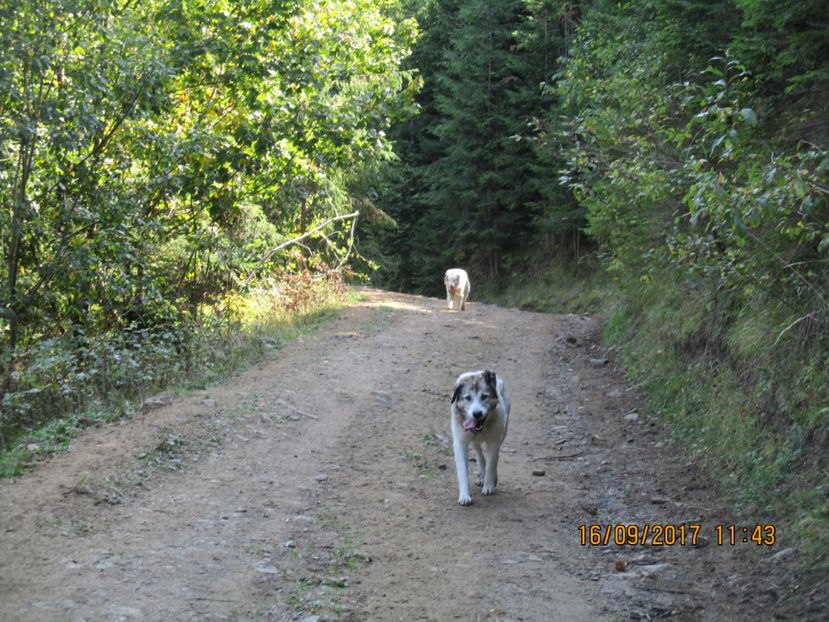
{"x":478,"y":191}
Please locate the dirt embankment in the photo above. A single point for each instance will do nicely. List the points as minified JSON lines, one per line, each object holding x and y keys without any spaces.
{"x":319,"y":485}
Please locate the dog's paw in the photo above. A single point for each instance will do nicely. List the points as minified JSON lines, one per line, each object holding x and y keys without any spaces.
{"x":488,"y":489}
{"x":462,"y":500}
{"x":479,"y":482}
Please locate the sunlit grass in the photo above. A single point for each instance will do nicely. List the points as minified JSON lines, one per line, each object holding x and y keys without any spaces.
{"x":66,"y":395}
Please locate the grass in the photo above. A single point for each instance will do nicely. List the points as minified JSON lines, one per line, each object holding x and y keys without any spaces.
{"x":553,"y":287}
{"x":321,"y":589}
{"x":750,"y":409}
{"x":419,"y":462}
{"x":745,"y":397}
{"x":52,"y":437}
{"x":75,"y":398}
{"x":165,"y":456}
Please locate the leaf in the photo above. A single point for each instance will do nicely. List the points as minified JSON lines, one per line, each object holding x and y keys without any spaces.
{"x":749,"y":116}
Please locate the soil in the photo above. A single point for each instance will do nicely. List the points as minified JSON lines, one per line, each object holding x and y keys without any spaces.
{"x":320,"y":485}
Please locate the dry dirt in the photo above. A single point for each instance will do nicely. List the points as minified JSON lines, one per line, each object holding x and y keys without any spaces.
{"x":319,"y":485}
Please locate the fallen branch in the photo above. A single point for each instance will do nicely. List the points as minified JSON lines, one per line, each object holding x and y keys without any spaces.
{"x":809,"y":316}
{"x":350,"y":244}
{"x":305,"y":235}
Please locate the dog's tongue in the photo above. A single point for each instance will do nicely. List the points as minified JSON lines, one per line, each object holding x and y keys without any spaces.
{"x":469,"y":424}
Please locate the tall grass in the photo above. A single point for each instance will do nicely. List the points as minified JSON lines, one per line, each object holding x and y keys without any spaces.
{"x":550,"y":286}
{"x":746,"y":397}
{"x":60,"y":385}
{"x":740,"y":388}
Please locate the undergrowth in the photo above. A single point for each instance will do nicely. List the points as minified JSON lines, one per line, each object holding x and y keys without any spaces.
{"x":740,"y":388}
{"x":62,"y":385}
{"x":743,"y":392}
{"x":551,"y":286}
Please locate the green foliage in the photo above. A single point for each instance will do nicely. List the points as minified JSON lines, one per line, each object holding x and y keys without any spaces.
{"x":474,"y":186}
{"x":155,"y":153}
{"x":474,"y":183}
{"x":751,"y":415}
{"x":786,"y":46}
{"x":59,"y":388}
{"x":555,"y":286}
{"x":715,"y":224}
{"x":691,"y":156}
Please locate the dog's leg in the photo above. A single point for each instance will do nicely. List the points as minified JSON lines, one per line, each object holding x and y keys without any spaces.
{"x":449,"y":300}
{"x":491,"y":473}
{"x":480,"y":462}
{"x":462,"y":468}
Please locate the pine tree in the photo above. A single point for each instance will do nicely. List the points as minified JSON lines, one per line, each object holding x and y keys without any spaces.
{"x":401,"y":194}
{"x":477,"y":179}
{"x":478,"y":190}
{"x":546,"y":36}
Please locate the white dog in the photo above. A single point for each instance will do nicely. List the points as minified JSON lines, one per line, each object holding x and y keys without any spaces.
{"x":457,"y":288}
{"x":480,"y":413}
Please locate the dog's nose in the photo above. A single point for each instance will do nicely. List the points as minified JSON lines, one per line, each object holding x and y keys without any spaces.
{"x":477,"y":414}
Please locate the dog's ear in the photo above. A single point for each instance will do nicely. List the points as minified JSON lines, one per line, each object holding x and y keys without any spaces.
{"x":491,"y":381}
{"x":457,"y":392}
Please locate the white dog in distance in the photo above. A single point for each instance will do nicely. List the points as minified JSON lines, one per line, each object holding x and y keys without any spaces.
{"x":457,"y":288}
{"x":480,"y":413}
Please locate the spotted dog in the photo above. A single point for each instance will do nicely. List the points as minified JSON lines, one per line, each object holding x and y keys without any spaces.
{"x":480,"y":413}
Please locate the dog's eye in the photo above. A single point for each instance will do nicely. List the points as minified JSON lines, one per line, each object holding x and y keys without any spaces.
{"x":468,"y":398}
{"x":485,"y":396}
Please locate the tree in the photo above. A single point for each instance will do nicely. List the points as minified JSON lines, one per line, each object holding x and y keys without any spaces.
{"x":477,"y":187}
{"x":153,"y":152}
{"x":477,"y":183}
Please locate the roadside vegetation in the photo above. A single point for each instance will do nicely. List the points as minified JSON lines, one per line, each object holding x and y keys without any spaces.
{"x":177,"y":180}
{"x":119,"y":372}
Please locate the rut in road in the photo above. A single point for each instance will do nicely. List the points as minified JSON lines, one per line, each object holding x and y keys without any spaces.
{"x":320,"y":484}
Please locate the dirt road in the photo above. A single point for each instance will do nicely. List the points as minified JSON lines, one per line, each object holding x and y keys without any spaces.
{"x":319,"y":485}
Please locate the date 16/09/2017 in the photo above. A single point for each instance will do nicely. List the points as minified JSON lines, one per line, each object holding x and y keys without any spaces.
{"x":681,"y":534}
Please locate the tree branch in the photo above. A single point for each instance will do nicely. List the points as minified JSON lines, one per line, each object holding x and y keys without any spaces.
{"x":305,"y":235}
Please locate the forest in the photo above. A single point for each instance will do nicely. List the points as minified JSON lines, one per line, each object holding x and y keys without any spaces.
{"x":167,"y":162}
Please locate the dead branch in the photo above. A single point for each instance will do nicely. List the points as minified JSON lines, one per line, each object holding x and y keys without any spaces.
{"x":809,"y":316}
{"x":305,"y":235}
{"x":350,"y":244}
